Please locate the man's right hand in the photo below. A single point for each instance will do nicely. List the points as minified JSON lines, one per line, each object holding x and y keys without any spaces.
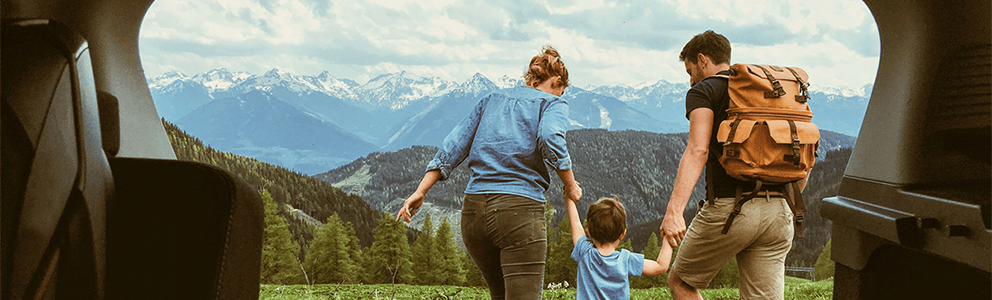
{"x":673,"y":228}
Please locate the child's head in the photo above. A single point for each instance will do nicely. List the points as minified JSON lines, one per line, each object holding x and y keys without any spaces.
{"x":606,"y":220}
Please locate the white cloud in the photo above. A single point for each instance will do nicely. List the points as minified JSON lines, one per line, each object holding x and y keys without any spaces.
{"x":828,"y":63}
{"x":602,"y":42}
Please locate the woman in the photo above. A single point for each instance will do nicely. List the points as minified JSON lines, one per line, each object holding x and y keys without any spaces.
{"x":509,"y":140}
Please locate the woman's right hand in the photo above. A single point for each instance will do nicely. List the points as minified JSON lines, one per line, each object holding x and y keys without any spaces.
{"x":410,"y":206}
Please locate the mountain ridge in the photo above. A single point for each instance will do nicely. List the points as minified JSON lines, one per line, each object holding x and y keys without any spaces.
{"x":398,"y":110}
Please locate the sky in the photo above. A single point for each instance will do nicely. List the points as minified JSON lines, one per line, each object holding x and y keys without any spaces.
{"x":601,"y":42}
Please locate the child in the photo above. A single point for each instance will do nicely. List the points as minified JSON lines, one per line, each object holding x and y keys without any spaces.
{"x":603,"y":271}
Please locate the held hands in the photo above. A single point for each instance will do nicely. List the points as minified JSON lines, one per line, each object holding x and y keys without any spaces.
{"x":673,"y":228}
{"x":410,"y":206}
{"x":572,"y":192}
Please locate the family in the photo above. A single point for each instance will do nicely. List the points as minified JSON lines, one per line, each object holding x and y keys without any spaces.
{"x":514,"y":135}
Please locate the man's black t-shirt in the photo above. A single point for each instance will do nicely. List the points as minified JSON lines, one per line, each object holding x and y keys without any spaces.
{"x":712,"y":93}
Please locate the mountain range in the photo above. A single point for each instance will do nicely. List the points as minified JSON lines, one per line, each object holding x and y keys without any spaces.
{"x":313,"y":124}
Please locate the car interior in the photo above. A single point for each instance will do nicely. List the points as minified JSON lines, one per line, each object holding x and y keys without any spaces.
{"x":94,"y":203}
{"x":96,"y":206}
{"x":912,"y":218}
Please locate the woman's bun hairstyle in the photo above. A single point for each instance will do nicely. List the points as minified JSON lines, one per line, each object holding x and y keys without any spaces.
{"x":545,"y":66}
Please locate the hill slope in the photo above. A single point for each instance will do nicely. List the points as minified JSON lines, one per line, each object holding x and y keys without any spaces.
{"x":302,"y":199}
{"x":638,"y":166}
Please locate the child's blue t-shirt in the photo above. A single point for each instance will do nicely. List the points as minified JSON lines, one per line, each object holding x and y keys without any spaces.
{"x":604,"y":276}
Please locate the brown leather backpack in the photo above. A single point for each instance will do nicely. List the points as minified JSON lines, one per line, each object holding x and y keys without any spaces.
{"x":768,"y":134}
{"x":768,"y":137}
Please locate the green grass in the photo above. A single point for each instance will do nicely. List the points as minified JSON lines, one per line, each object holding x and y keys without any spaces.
{"x":795,"y":288}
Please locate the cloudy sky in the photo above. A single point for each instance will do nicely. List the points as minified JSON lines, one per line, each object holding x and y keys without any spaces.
{"x":601,"y":42}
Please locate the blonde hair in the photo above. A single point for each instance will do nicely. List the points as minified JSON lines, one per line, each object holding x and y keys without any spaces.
{"x":545,"y":66}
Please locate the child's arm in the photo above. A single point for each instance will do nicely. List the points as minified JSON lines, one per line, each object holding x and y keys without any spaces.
{"x":573,"y":219}
{"x":652,"y":268}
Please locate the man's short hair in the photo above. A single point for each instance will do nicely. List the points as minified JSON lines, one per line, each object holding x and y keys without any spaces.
{"x":712,"y":44}
{"x":606,"y":220}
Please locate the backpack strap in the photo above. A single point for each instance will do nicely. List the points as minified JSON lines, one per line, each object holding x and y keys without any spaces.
{"x":777,"y":91}
{"x":709,"y":192}
{"x":733,"y":131}
{"x":740,"y":199}
{"x":709,"y":187}
{"x":803,"y":87}
{"x":797,"y":206}
{"x":795,"y":144}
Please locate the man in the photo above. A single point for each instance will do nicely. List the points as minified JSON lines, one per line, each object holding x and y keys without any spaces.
{"x":761,"y":235}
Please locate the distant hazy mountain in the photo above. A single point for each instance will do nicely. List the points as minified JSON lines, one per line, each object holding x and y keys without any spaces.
{"x":260,"y":124}
{"x":834,"y":109}
{"x":398,"y":110}
{"x":661,"y":100}
{"x":176,"y":95}
{"x":586,"y":110}
{"x":431,"y":125}
{"x":591,"y":110}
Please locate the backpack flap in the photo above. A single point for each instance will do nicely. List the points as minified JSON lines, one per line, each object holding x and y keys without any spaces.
{"x":781,"y":131}
{"x":741,"y":131}
{"x":768,"y":150}
{"x":801,"y":137}
{"x":768,"y":86}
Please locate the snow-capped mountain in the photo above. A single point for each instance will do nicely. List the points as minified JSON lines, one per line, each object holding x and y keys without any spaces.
{"x":337,"y":87}
{"x":507,"y":81}
{"x":165,"y":79}
{"x":862,"y":92}
{"x":639,"y":93}
{"x":220,"y":79}
{"x":397,"y":110}
{"x":176,"y":95}
{"x":586,"y":110}
{"x":398,"y":90}
{"x":836,"y":109}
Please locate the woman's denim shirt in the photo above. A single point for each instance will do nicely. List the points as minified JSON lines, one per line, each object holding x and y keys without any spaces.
{"x":510,"y":139}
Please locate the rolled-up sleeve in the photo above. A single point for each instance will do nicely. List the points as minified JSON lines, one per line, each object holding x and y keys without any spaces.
{"x":552,"y":135}
{"x":456,"y":145}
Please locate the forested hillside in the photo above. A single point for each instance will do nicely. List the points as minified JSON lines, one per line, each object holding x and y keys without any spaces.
{"x":639,"y":167}
{"x":302,"y":199}
{"x":824,"y":181}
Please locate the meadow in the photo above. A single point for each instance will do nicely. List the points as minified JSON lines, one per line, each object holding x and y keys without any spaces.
{"x":795,"y":288}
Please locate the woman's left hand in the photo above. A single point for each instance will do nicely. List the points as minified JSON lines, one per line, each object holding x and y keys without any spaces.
{"x":572,"y":192}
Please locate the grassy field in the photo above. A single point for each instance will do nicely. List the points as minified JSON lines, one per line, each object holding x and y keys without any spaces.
{"x":795,"y":288}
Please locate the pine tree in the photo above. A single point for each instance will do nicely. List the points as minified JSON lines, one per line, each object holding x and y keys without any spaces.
{"x":279,"y":264}
{"x":355,"y":252}
{"x":650,"y":251}
{"x":824,"y":265}
{"x":626,"y":244}
{"x":449,"y":268}
{"x":473,"y":277}
{"x":560,"y":267}
{"x":390,"y":261}
{"x":329,"y":259}
{"x":425,"y":259}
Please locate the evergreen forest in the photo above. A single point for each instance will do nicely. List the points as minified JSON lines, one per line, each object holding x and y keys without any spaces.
{"x":317,"y":233}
